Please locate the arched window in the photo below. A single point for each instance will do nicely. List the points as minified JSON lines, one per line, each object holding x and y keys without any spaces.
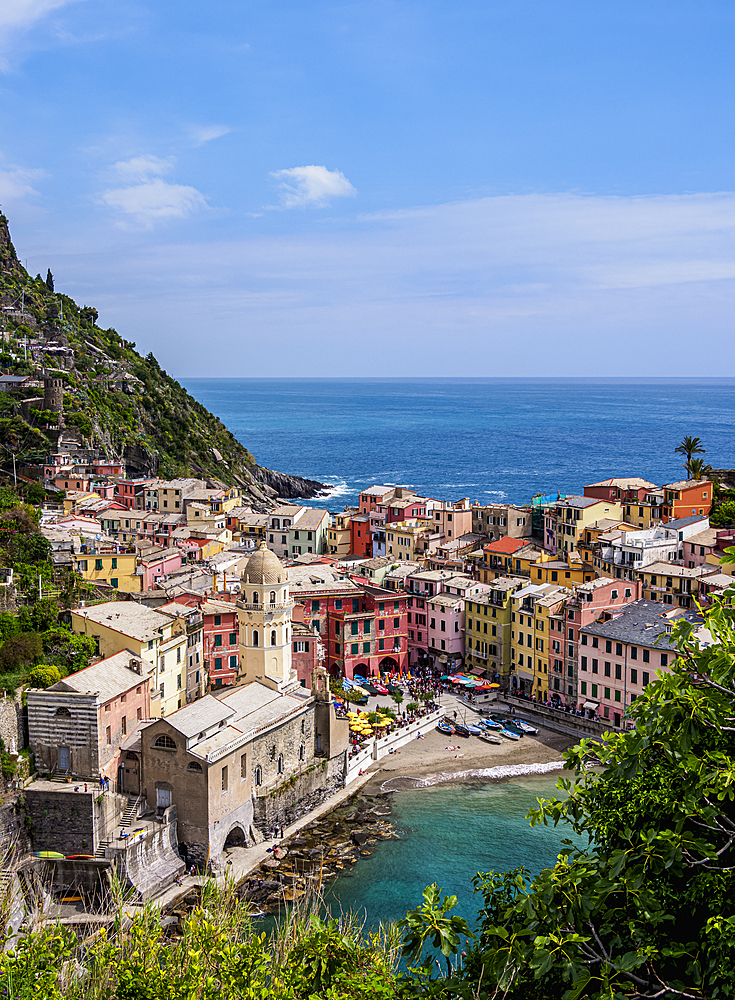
{"x":255,"y":597}
{"x":280,"y":764}
{"x":258,"y":775}
{"x":64,"y":712}
{"x":302,"y":752}
{"x":273,"y":637}
{"x":256,"y":638}
{"x":164,"y":742}
{"x":303,"y":725}
{"x":194,"y":765}
{"x":273,"y":597}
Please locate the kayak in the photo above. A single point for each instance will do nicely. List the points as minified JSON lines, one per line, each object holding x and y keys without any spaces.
{"x":80,"y":857}
{"x":49,"y":855}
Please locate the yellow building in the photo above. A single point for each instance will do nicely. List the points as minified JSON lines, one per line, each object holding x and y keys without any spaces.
{"x":118,"y":569}
{"x":530,"y":641}
{"x":405,"y":540}
{"x":564,"y":573}
{"x":339,"y":539}
{"x":75,"y":500}
{"x":487,"y":629}
{"x":156,"y":639}
{"x":576,"y":514}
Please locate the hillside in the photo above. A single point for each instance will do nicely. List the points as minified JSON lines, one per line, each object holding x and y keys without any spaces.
{"x":114,"y":399}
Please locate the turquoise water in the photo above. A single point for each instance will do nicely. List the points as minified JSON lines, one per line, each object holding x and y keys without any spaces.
{"x":448,"y":834}
{"x":494,"y":440}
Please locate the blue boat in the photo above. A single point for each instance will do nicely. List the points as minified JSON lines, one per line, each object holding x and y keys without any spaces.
{"x":444,"y":727}
{"x":490,"y":724}
{"x":461,"y":730}
{"x":475,"y":730}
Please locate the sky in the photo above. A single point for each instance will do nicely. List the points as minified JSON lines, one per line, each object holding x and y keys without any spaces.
{"x":381,"y":187}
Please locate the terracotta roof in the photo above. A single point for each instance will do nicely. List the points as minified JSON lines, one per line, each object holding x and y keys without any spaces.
{"x":506,"y":546}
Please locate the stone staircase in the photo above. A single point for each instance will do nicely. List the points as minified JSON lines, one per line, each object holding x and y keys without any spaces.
{"x":102,"y":847}
{"x":131,"y":811}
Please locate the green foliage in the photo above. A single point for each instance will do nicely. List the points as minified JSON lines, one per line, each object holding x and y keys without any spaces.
{"x":431,"y":923}
{"x":49,"y":280}
{"x":412,"y":706}
{"x":39,"y":617}
{"x":723,"y":515}
{"x":397,"y":698}
{"x":20,"y":650}
{"x":67,"y":650}
{"x":44,"y":675}
{"x":80,"y":420}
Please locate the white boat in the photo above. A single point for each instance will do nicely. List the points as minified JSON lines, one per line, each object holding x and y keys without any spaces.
{"x":509,"y":734}
{"x":525,"y":726}
{"x":490,"y":738}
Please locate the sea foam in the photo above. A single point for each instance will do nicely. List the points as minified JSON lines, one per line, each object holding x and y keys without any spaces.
{"x":489,"y":773}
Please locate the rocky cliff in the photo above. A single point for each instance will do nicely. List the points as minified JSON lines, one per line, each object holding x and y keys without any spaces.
{"x":114,"y":399}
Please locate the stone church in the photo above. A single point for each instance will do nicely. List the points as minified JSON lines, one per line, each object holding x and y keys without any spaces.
{"x":257,"y":756}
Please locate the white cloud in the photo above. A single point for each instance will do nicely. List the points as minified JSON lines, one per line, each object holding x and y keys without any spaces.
{"x":312,"y":186}
{"x":553,"y":284}
{"x":15,"y":184}
{"x":205,"y":133}
{"x":155,"y":200}
{"x":142,"y":168}
{"x":19,"y":15}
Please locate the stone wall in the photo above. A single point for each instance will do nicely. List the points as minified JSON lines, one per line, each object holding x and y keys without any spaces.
{"x":552,"y":718}
{"x":286,"y":741}
{"x":71,"y":822}
{"x":12,"y":722}
{"x":152,"y":862}
{"x":13,"y":826}
{"x":287,"y":803}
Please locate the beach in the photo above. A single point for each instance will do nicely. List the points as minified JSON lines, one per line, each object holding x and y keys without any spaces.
{"x":429,"y":761}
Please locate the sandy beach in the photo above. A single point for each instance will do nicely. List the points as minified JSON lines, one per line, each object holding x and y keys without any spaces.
{"x":431,"y":760}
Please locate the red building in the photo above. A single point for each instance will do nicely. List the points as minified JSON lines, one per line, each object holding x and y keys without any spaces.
{"x":630,"y":488}
{"x":220,"y":640}
{"x":131,"y":493}
{"x":368,"y":634}
{"x":361,"y":537}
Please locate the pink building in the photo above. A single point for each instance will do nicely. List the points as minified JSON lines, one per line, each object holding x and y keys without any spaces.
{"x":619,"y":657}
{"x":698,"y":547}
{"x":155,"y":564}
{"x":590,"y":601}
{"x":78,"y":725}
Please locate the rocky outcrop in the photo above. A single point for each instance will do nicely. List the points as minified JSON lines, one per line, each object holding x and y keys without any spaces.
{"x":287,"y":487}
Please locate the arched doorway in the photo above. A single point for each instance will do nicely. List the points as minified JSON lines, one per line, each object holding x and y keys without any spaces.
{"x":236,"y":838}
{"x":361,"y":670}
{"x":388,"y":665}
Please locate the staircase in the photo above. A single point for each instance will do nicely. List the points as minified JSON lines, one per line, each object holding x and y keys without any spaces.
{"x":100,"y":852}
{"x":59,"y":775}
{"x":131,"y":811}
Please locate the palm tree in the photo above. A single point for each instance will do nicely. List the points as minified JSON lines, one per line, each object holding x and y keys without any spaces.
{"x":688,"y":447}
{"x":698,"y":468}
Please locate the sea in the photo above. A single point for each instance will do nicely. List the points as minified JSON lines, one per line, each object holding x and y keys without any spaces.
{"x":491,"y":439}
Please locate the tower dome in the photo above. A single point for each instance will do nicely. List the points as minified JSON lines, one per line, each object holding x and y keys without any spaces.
{"x":263,"y":567}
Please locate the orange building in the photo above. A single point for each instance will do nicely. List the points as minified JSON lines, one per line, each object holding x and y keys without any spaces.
{"x":682,"y":499}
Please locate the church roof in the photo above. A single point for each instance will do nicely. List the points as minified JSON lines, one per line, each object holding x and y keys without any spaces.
{"x":264,"y":566}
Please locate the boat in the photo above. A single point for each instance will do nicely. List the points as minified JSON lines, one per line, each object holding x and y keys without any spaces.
{"x":80,"y":857}
{"x":444,"y":727}
{"x":510,"y":734}
{"x":49,"y":855}
{"x":525,"y":726}
{"x":507,"y":723}
{"x":490,"y":738}
{"x":380,"y":688}
{"x":461,"y":730}
{"x":490,"y":724}
{"x":474,"y":730}
{"x":394,"y":689}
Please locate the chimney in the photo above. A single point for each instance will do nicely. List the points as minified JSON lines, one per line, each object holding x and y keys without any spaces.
{"x":136,"y":666}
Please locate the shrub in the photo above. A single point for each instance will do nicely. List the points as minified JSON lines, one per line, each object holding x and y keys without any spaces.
{"x":412,"y":706}
{"x":44,"y":675}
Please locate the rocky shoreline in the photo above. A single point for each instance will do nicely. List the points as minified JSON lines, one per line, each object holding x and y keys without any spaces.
{"x":322,"y":850}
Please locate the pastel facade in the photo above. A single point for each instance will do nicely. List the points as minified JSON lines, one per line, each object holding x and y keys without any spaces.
{"x":686,"y":497}
{"x":488,"y":629}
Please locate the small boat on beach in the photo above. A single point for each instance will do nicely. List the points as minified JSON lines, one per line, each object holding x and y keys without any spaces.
{"x":490,"y":724}
{"x":525,"y":726}
{"x":475,"y":730}
{"x":510,"y":734}
{"x":488,"y":737}
{"x":461,"y":730}
{"x":444,"y":727}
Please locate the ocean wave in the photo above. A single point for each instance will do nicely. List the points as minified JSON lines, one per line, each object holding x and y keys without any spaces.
{"x":488,"y":773}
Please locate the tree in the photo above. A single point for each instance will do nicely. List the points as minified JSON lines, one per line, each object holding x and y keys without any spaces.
{"x":19,"y":651}
{"x":647,"y":909}
{"x":690,"y":446}
{"x":397,"y":697}
{"x":699,"y":469}
{"x":49,"y":280}
{"x":68,"y":650}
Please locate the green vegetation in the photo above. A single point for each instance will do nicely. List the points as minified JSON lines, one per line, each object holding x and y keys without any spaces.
{"x":117,"y":399}
{"x":690,"y":447}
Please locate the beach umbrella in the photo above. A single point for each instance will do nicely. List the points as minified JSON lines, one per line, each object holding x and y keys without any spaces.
{"x":493,"y":685}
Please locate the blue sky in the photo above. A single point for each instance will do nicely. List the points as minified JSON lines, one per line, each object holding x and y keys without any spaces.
{"x":381,"y":188}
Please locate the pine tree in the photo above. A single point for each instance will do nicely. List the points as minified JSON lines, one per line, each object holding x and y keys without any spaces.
{"x":49,"y":280}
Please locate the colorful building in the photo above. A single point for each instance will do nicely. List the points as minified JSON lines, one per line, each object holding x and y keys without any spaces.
{"x":689,"y":496}
{"x":488,"y":630}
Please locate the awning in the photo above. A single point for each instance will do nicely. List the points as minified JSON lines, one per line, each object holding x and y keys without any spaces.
{"x":479,"y":671}
{"x":591,"y":705}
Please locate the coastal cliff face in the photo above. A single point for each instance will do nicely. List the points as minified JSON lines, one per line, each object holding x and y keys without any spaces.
{"x":114,"y":399}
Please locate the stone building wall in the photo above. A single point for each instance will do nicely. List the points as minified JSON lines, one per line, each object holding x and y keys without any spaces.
{"x":64,"y":719}
{"x":12,"y":722}
{"x":286,"y":741}
{"x":71,"y":822}
{"x":287,"y":803}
